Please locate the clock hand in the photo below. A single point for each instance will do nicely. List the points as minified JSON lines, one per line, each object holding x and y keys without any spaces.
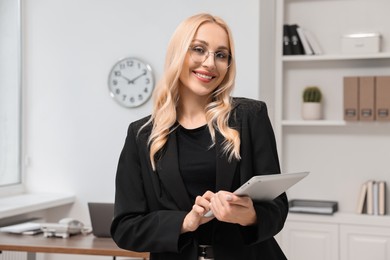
{"x":134,"y":79}
{"x":128,"y":80}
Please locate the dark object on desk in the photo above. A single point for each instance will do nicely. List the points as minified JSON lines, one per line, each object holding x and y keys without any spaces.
{"x":101,"y":215}
{"x":313,"y":206}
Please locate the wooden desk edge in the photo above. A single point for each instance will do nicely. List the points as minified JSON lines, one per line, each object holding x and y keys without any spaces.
{"x":77,"y":251}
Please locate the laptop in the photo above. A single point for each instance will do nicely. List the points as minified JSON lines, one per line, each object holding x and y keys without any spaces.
{"x":101,"y":215}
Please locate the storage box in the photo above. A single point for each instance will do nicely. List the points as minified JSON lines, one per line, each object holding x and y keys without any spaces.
{"x":361,"y":43}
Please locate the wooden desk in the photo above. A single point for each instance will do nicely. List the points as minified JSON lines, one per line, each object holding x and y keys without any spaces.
{"x":79,"y":244}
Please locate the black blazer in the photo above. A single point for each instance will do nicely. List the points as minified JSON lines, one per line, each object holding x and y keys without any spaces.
{"x":150,"y":206}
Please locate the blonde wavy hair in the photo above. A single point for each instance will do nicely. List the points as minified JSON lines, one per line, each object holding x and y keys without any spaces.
{"x":166,"y":94}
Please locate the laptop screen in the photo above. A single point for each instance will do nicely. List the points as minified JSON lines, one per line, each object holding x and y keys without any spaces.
{"x":101,"y":215}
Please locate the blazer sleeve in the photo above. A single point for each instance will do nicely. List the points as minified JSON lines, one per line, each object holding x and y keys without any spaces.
{"x":260,"y":157}
{"x":139,"y":224}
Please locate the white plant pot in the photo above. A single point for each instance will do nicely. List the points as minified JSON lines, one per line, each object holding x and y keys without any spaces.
{"x":311,"y":111}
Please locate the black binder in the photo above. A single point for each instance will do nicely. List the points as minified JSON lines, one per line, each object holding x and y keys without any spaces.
{"x":287,"y":48}
{"x":296,"y":44}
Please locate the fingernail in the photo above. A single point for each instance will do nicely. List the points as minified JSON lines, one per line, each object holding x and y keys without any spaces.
{"x":228,"y":197}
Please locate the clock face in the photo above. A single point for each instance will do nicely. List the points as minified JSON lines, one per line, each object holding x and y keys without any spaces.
{"x":131,"y":82}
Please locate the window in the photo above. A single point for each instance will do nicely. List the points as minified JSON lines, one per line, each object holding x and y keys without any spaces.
{"x":10,"y":96}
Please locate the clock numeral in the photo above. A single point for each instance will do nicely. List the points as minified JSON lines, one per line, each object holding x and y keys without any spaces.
{"x":129,"y":63}
{"x":117,"y":91}
{"x":117,"y":73}
{"x":133,"y":99}
{"x":124,"y":97}
{"x":114,"y":82}
{"x":146,"y":90}
{"x":139,"y":65}
{"x":122,"y":66}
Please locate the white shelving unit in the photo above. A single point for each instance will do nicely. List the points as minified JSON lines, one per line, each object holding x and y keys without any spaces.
{"x":340,"y":155}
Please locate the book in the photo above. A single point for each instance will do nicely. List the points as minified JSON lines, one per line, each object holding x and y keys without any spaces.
{"x":375,"y":198}
{"x":296,"y":44}
{"x":313,"y":43}
{"x":361,"y":205}
{"x":382,"y":198}
{"x":370,"y":197}
{"x":287,"y":49}
{"x":306,"y":46}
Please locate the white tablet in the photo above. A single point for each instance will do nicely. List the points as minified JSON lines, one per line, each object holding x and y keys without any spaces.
{"x":267,"y":187}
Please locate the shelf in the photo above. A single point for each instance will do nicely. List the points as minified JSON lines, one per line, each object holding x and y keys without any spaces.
{"x":335,"y":57}
{"x":332,"y":123}
{"x":342,"y":218}
{"x":313,"y":123}
{"x":30,"y":202}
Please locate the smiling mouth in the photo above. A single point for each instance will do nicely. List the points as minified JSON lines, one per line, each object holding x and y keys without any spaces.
{"x":203,"y":76}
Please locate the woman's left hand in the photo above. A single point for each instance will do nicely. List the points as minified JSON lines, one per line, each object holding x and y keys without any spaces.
{"x":231,"y":208}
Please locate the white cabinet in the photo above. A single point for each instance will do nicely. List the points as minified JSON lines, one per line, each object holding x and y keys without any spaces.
{"x":308,"y":241}
{"x":341,"y":236}
{"x":364,"y":242}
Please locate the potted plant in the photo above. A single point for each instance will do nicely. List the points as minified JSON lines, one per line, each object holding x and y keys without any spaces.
{"x":311,"y":107}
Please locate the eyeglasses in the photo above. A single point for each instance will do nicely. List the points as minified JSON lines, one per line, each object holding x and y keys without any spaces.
{"x":222,"y":58}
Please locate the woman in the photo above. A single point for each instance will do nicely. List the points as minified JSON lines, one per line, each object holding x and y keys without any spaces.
{"x":197,"y":147}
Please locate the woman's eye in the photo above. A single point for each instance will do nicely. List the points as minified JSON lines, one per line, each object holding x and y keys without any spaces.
{"x":198,"y":50}
{"x":221,"y":55}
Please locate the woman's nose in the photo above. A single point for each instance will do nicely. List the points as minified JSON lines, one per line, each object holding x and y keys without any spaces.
{"x":210,"y":60}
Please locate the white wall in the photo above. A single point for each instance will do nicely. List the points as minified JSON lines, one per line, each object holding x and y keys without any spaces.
{"x":74,"y":131}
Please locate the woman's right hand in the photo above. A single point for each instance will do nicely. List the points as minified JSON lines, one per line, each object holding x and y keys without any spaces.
{"x":195,"y":217}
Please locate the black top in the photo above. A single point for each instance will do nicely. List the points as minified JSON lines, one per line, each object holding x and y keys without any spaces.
{"x":197,"y":164}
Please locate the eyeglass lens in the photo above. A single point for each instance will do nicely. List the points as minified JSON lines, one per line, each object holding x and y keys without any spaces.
{"x":199,"y":54}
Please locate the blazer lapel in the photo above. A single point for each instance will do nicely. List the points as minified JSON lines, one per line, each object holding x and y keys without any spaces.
{"x":225,"y":169}
{"x":168,"y":170}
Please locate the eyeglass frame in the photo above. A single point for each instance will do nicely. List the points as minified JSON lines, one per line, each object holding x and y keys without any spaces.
{"x":230,"y":57}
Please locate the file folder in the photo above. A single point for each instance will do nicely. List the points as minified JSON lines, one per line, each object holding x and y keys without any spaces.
{"x":367,"y":98}
{"x":383,"y":98}
{"x":351,"y":98}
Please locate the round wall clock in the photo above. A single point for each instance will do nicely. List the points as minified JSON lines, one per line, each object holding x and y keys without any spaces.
{"x":131,"y":82}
